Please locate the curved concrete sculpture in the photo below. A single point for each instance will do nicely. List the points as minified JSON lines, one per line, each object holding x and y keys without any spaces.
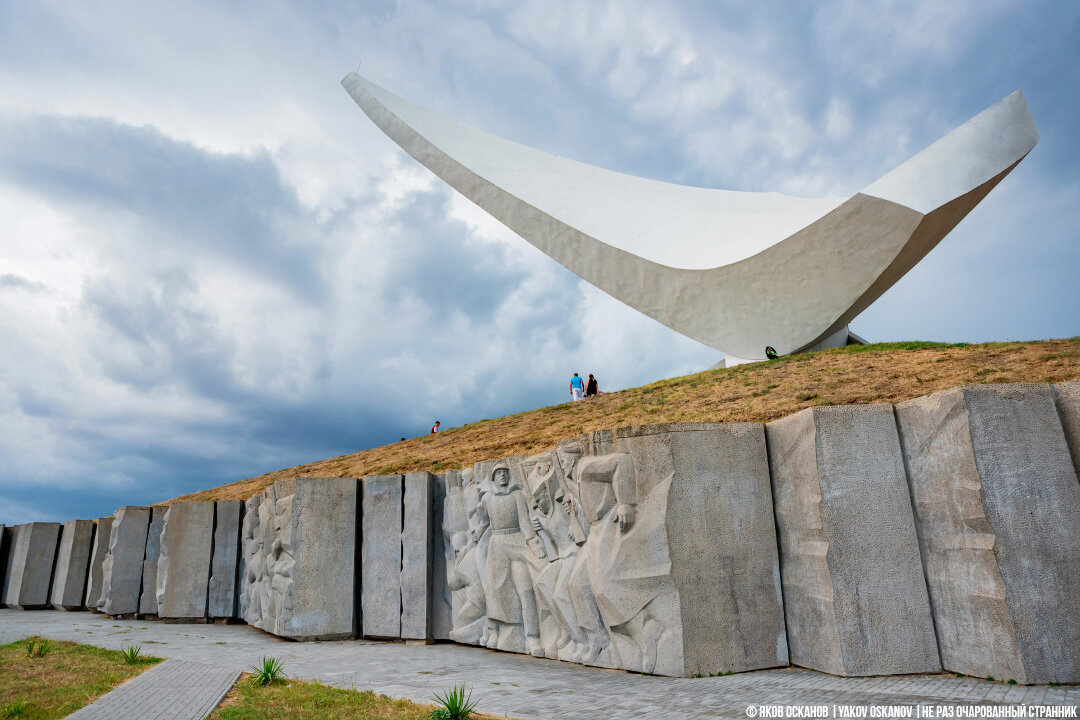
{"x":734,"y":270}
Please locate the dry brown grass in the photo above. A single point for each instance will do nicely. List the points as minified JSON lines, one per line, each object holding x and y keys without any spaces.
{"x":885,"y":373}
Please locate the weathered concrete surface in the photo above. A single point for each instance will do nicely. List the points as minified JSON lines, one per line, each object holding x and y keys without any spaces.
{"x":72,"y":565}
{"x":300,"y":540}
{"x":855,"y":597}
{"x":94,"y":581}
{"x":381,"y":553}
{"x":722,"y":540}
{"x":183,"y":574}
{"x":121,"y":571}
{"x":417,"y":560}
{"x":224,"y":568}
{"x":31,"y":564}
{"x":1067,"y":396}
{"x":997,"y":504}
{"x":148,"y":598}
{"x":442,"y":611}
{"x":5,"y":549}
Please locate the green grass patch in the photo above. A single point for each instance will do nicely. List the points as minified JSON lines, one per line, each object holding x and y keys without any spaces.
{"x":299,"y":700}
{"x":63,"y":679}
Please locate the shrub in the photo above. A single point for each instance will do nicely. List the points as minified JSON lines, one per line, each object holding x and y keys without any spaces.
{"x":36,"y":646}
{"x":268,"y":670}
{"x":454,"y":704}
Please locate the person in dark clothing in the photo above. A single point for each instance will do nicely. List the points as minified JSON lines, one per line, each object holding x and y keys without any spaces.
{"x":591,"y":388}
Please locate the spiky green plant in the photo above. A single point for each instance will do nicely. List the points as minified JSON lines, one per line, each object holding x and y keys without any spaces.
{"x":454,"y":704}
{"x":268,"y":670}
{"x":44,"y":647}
{"x":29,"y":644}
{"x":131,"y":653}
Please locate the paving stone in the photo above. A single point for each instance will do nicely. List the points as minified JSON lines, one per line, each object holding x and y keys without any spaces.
{"x":225,"y":566}
{"x":148,"y":597}
{"x":183,"y":575}
{"x":72,"y":565}
{"x":510,"y":685}
{"x":381,"y":555}
{"x":121,"y":571}
{"x":31,"y":562}
{"x":102,"y":533}
{"x":171,"y":690}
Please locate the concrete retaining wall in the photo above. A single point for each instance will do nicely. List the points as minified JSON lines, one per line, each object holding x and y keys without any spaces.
{"x":853,"y":540}
{"x":997,"y":502}
{"x":854,"y":592}
{"x":72,"y":565}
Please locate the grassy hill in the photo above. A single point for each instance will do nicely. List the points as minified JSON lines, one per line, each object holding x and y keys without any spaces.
{"x":883,"y":373}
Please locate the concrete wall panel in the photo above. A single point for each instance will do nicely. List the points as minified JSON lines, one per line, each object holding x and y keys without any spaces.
{"x":854,"y":592}
{"x":102,"y":534}
{"x":417,"y":546}
{"x":31,"y":565}
{"x":224,"y":570}
{"x":381,"y":589}
{"x":72,"y":565}
{"x":148,"y":596}
{"x":997,"y":499}
{"x":183,"y":574}
{"x":121,"y":571}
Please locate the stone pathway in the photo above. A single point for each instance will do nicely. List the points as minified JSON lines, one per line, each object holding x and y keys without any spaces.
{"x":514,"y":685}
{"x":172,"y":690}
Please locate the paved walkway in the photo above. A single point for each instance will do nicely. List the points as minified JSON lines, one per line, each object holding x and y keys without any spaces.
{"x":172,"y":690}
{"x":515,"y":685}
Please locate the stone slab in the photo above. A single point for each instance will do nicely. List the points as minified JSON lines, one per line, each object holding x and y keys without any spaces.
{"x":855,"y":597}
{"x":102,"y":533}
{"x":183,"y":573}
{"x":148,"y":596}
{"x":121,"y":571}
{"x":300,"y":555}
{"x":997,"y":502}
{"x":72,"y":565}
{"x":1067,"y":397}
{"x":5,"y":548}
{"x":442,"y":611}
{"x":33,"y":555}
{"x":381,"y":555}
{"x":417,"y":548}
{"x":722,"y":541}
{"x":225,"y":566}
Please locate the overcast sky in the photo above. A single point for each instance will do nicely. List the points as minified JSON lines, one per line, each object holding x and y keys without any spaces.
{"x":213,"y":265}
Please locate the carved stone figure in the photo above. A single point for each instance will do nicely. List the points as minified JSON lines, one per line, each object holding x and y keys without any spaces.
{"x":513,"y":552}
{"x":552,"y":522}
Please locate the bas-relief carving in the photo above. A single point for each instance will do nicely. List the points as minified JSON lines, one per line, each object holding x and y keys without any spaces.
{"x":268,"y":557}
{"x":564,"y":555}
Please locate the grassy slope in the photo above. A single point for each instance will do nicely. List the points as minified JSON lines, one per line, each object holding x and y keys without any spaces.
{"x":883,"y":373}
{"x":68,"y":677}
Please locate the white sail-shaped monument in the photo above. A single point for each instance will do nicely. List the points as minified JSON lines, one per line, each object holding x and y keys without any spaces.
{"x":737,"y":271}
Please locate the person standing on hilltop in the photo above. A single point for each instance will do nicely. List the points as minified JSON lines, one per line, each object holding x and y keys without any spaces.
{"x":577,"y":387}
{"x":435,"y":427}
{"x":591,"y":387}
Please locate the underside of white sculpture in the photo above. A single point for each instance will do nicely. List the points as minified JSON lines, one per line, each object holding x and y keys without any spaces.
{"x":737,"y":271}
